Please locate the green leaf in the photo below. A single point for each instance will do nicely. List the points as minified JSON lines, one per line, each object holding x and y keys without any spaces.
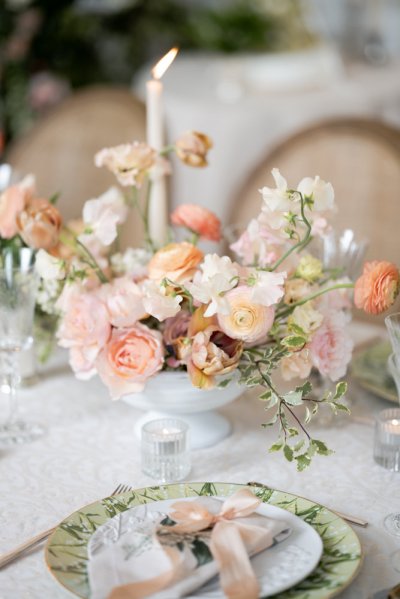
{"x":224,"y":383}
{"x":276,"y":446}
{"x":265,"y":396}
{"x":54,"y":198}
{"x":295,"y":328}
{"x":299,"y":445}
{"x":308,"y":416}
{"x":305,"y":389}
{"x":293,"y":398}
{"x":320,"y":447}
{"x":341,"y":389}
{"x":294,"y":341}
{"x":288,"y":453}
{"x":292,"y":431}
{"x":341,"y":407}
{"x":303,"y":461}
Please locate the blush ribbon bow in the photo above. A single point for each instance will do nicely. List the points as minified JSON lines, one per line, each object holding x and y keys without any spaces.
{"x":234,"y":538}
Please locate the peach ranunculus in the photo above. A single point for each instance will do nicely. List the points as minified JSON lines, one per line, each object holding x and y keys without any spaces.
{"x":129,"y":162}
{"x":192,"y":148}
{"x":246,"y":320}
{"x":331,"y":346}
{"x":297,"y":365}
{"x":39,"y":224}
{"x":176,"y":261}
{"x":198,"y":219}
{"x":129,"y":359}
{"x":12,"y":201}
{"x":377,"y":288}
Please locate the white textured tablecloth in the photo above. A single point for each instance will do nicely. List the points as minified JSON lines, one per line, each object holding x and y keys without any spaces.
{"x":90,"y":448}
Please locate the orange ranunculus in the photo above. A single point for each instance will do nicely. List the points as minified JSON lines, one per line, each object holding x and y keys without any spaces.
{"x":39,"y":224}
{"x":201,"y":221}
{"x":192,"y":148}
{"x":377,"y":288}
{"x":176,"y":261}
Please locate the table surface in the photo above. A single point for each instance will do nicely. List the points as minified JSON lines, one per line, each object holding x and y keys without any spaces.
{"x":90,"y":448}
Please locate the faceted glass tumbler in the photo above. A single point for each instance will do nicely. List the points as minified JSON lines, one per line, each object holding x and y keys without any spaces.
{"x":166,"y":450}
{"x":387,"y":439}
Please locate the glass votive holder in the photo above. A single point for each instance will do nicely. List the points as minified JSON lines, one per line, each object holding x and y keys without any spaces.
{"x":387,"y":439}
{"x":166,"y":449}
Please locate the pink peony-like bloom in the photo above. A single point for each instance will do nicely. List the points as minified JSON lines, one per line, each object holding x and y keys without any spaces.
{"x":124,"y":302}
{"x":377,"y":288}
{"x":246,"y":319}
{"x":12,"y":201}
{"x":201,"y":221}
{"x":129,"y":162}
{"x":296,"y":365}
{"x":331,"y":346}
{"x":85,"y":321}
{"x":129,"y":359}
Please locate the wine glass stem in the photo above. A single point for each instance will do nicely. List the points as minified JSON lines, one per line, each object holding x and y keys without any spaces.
{"x":11,"y":381}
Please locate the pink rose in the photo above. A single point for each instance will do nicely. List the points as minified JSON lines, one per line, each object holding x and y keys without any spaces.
{"x":129,"y":359}
{"x":331,"y":346}
{"x":12,"y":201}
{"x":201,"y":221}
{"x":85,"y":321}
{"x":82,"y":359}
{"x":296,"y":365}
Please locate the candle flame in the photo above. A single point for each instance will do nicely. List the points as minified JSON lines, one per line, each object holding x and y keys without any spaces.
{"x":159,"y":69}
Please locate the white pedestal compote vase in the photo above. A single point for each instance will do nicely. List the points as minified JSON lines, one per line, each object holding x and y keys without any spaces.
{"x":171,"y":393}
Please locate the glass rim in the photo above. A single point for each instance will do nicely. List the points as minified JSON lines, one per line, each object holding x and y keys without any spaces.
{"x":388,"y":414}
{"x":170,"y":435}
{"x":389,"y":317}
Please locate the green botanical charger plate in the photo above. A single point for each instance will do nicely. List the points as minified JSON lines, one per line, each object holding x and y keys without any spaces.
{"x":66,"y":550}
{"x":369,"y":368}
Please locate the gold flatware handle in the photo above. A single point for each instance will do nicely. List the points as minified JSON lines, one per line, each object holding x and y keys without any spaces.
{"x":10,"y":556}
{"x":352,"y":519}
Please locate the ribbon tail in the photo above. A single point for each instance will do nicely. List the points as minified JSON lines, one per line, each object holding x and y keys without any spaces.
{"x":229,"y":551}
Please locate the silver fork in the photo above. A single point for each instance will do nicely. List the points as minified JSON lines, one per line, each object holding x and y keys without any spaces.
{"x":10,"y":556}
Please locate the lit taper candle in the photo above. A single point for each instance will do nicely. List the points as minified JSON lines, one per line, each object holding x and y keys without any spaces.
{"x":158,"y":206}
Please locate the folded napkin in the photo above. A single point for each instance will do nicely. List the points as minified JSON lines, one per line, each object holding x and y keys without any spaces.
{"x":166,"y":555}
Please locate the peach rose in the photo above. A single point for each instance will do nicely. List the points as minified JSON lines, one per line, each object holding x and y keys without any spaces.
{"x":176,"y":261}
{"x":192,"y":148}
{"x":130,"y":358}
{"x":377,"y":288}
{"x":12,"y":202}
{"x":246,"y":320}
{"x":39,"y":224}
{"x":201,"y":221}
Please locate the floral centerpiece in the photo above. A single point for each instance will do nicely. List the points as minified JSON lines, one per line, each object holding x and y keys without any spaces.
{"x":269,"y":307}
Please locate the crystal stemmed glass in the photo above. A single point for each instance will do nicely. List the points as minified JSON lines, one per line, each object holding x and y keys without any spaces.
{"x":342,"y":255}
{"x":392,"y":521}
{"x":18,"y":285}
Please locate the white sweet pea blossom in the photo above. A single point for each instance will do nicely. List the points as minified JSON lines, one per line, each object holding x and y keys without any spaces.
{"x":321,"y":193}
{"x":157,"y":303}
{"x":276,"y":202}
{"x":102,"y":215}
{"x":48,"y":267}
{"x":218,"y":276}
{"x":267,"y":287}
